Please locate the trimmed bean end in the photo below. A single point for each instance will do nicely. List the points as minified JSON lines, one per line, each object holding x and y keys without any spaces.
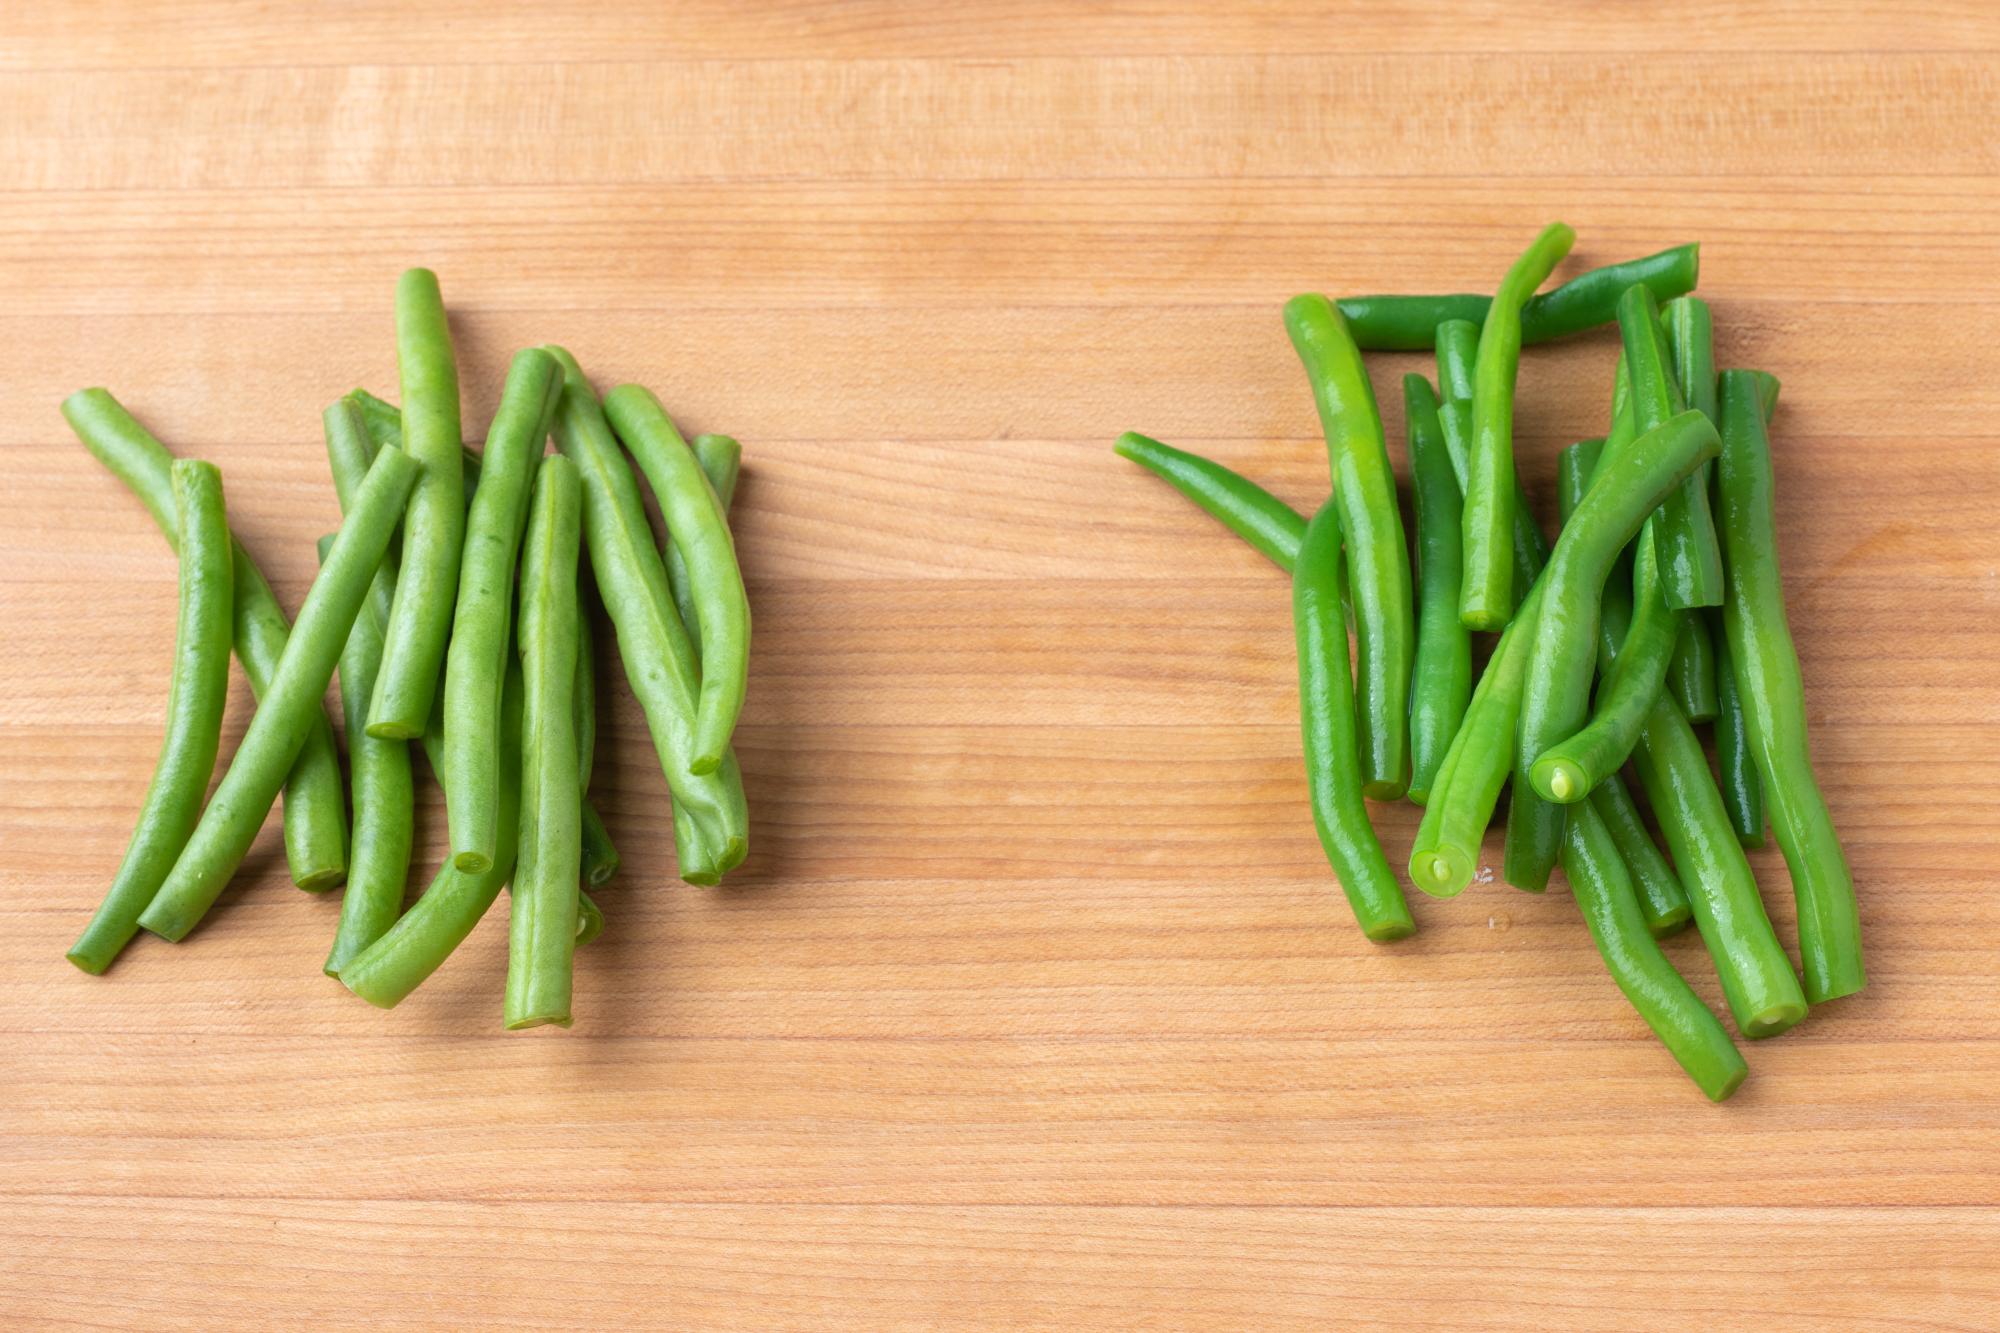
{"x":1770,"y":1021}
{"x":471,"y":863}
{"x":394,"y":731}
{"x":1673,"y":923}
{"x":526,"y":1021}
{"x":1559,"y":780}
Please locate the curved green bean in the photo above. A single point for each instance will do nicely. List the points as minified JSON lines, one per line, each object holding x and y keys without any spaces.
{"x":1441,"y":679}
{"x":476,"y":659}
{"x":315,"y":809}
{"x":384,"y":794}
{"x":350,"y":448}
{"x":720,"y":458}
{"x":1662,"y":900}
{"x":1604,"y":893}
{"x":413,"y":643}
{"x":1409,"y":323}
{"x":1742,"y":788}
{"x":542,"y":930}
{"x":1377,"y":556}
{"x":1457,"y":353}
{"x":1689,"y":551}
{"x":1326,"y":714}
{"x":1623,"y":491}
{"x":1272,"y":527}
{"x":1766,"y":666}
{"x":387,"y":971}
{"x":1691,"y":671}
{"x":197,"y":690}
{"x":699,"y":530}
{"x":711,"y":823}
{"x":1488,"y":597}
{"x":285,"y":715}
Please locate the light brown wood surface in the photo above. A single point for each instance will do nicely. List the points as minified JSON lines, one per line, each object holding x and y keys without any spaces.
{"x":1035,"y":1005}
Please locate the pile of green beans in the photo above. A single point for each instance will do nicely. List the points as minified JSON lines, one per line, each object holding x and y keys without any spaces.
{"x":1658,"y":607}
{"x":456,"y":607}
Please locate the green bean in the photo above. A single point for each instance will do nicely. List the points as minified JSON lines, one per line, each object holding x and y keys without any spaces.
{"x":699,"y":530}
{"x":1488,"y":597}
{"x":1691,"y":672}
{"x":600,"y":856}
{"x":1441,"y":680}
{"x":1409,"y":323}
{"x":284,"y":717}
{"x":349,"y":451}
{"x":1378,"y":559}
{"x":1457,"y":352}
{"x":476,"y":659}
{"x":384,"y":797}
{"x":541,"y":935}
{"x":1326,"y":714}
{"x":1623,"y":491}
{"x":434,"y":529}
{"x":720,"y":458}
{"x":1766,"y":667}
{"x":389,"y":969}
{"x":1690,"y":555}
{"x":1272,"y":527}
{"x":1662,"y":900}
{"x":589,"y":919}
{"x":711,"y":824}
{"x":315,"y":810}
{"x":385,"y":427}
{"x":197,"y":690}
{"x":1742,"y":788}
{"x":1604,"y":893}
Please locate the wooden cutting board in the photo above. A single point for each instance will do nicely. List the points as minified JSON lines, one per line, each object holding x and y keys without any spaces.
{"x":1036,"y":1004}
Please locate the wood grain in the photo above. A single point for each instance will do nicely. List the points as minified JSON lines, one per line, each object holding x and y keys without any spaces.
{"x":1035,"y":1005}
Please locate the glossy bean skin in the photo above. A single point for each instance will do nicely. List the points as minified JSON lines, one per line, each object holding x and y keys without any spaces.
{"x":434,"y":528}
{"x":1327,"y":723}
{"x":1272,"y":527}
{"x":720,"y":458}
{"x":197,"y":691}
{"x":285,"y":715}
{"x":1410,"y":323}
{"x":1441,"y":679}
{"x":1766,"y":667}
{"x":1662,"y":900}
{"x":711,"y":823}
{"x":387,"y":971}
{"x":315,"y":809}
{"x":1689,"y":551}
{"x":1377,"y":556}
{"x":1623,"y":491}
{"x":476,"y":660}
{"x":1691,"y":670}
{"x":384,"y":796}
{"x":1736,"y":767}
{"x":1457,"y":354}
{"x":543,"y":926}
{"x":600,"y":856}
{"x":1488,"y":598}
{"x":1605,"y":895}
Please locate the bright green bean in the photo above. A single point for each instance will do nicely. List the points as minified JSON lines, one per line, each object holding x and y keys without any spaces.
{"x":1488,"y":598}
{"x":1457,"y":353}
{"x":197,"y":690}
{"x":711,"y":823}
{"x":384,"y":794}
{"x":1623,"y":491}
{"x":1690,"y":555}
{"x":315,"y":809}
{"x":1409,"y":323}
{"x":1604,"y":893}
{"x":349,"y":450}
{"x":1441,"y":679}
{"x":720,"y":458}
{"x":1377,"y":557}
{"x":1271,"y":526}
{"x":542,"y":931}
{"x":476,"y":660}
{"x":1662,"y":900}
{"x":699,"y":530}
{"x":1326,"y":714}
{"x":285,"y":715}
{"x":1742,"y":788}
{"x":434,"y":529}
{"x":389,"y":969}
{"x":1766,"y":667}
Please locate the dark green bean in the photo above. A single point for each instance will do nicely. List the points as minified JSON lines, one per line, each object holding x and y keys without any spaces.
{"x":1326,"y":713}
{"x":1662,"y":900}
{"x":1488,"y":598}
{"x":1742,"y":788}
{"x":384,"y":794}
{"x":476,"y":659}
{"x":1408,"y":323}
{"x":197,"y":690}
{"x":711,"y":823}
{"x":434,"y":529}
{"x":1441,"y":680}
{"x":1457,"y":352}
{"x":699,"y":530}
{"x":1691,"y":672}
{"x":315,"y":809}
{"x":1604,"y":893}
{"x":1766,"y":667}
{"x":1378,"y":558}
{"x":720,"y":457}
{"x":1690,"y":555}
{"x":1271,"y":526}
{"x":541,"y":934}
{"x":283,"y":718}
{"x":600,"y":856}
